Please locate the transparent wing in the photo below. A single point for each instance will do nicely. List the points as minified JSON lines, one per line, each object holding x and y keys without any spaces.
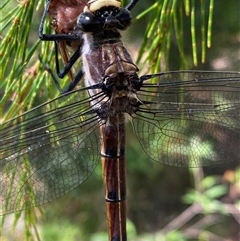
{"x":47,"y":152}
{"x":190,"y":119}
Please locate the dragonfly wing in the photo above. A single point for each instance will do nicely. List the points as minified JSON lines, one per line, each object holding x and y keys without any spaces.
{"x":47,"y":152}
{"x":190,"y":119}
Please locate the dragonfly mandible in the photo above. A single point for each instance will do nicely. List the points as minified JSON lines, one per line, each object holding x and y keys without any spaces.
{"x":182,"y":119}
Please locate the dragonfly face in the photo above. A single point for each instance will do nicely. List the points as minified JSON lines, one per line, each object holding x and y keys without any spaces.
{"x":95,"y":19}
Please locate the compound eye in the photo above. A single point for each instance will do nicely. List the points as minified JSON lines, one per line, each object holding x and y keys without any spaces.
{"x":124,"y":18}
{"x":88,"y":22}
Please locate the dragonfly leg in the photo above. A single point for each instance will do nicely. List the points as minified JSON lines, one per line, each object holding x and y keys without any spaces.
{"x":131,"y":5}
{"x":62,"y":73}
{"x":72,"y":84}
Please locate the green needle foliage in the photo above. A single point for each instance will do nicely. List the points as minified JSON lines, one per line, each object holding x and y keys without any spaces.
{"x":172,"y":22}
{"x":24,"y":83}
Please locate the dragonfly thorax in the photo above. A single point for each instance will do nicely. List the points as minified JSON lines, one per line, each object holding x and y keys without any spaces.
{"x":121,"y":84}
{"x":120,"y":103}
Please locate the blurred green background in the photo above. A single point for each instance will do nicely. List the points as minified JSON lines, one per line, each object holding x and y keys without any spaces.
{"x":163,"y":202}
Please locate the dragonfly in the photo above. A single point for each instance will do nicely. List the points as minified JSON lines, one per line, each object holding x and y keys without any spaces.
{"x":181,"y":119}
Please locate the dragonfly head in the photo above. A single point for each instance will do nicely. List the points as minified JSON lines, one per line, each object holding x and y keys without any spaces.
{"x":99,"y":17}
